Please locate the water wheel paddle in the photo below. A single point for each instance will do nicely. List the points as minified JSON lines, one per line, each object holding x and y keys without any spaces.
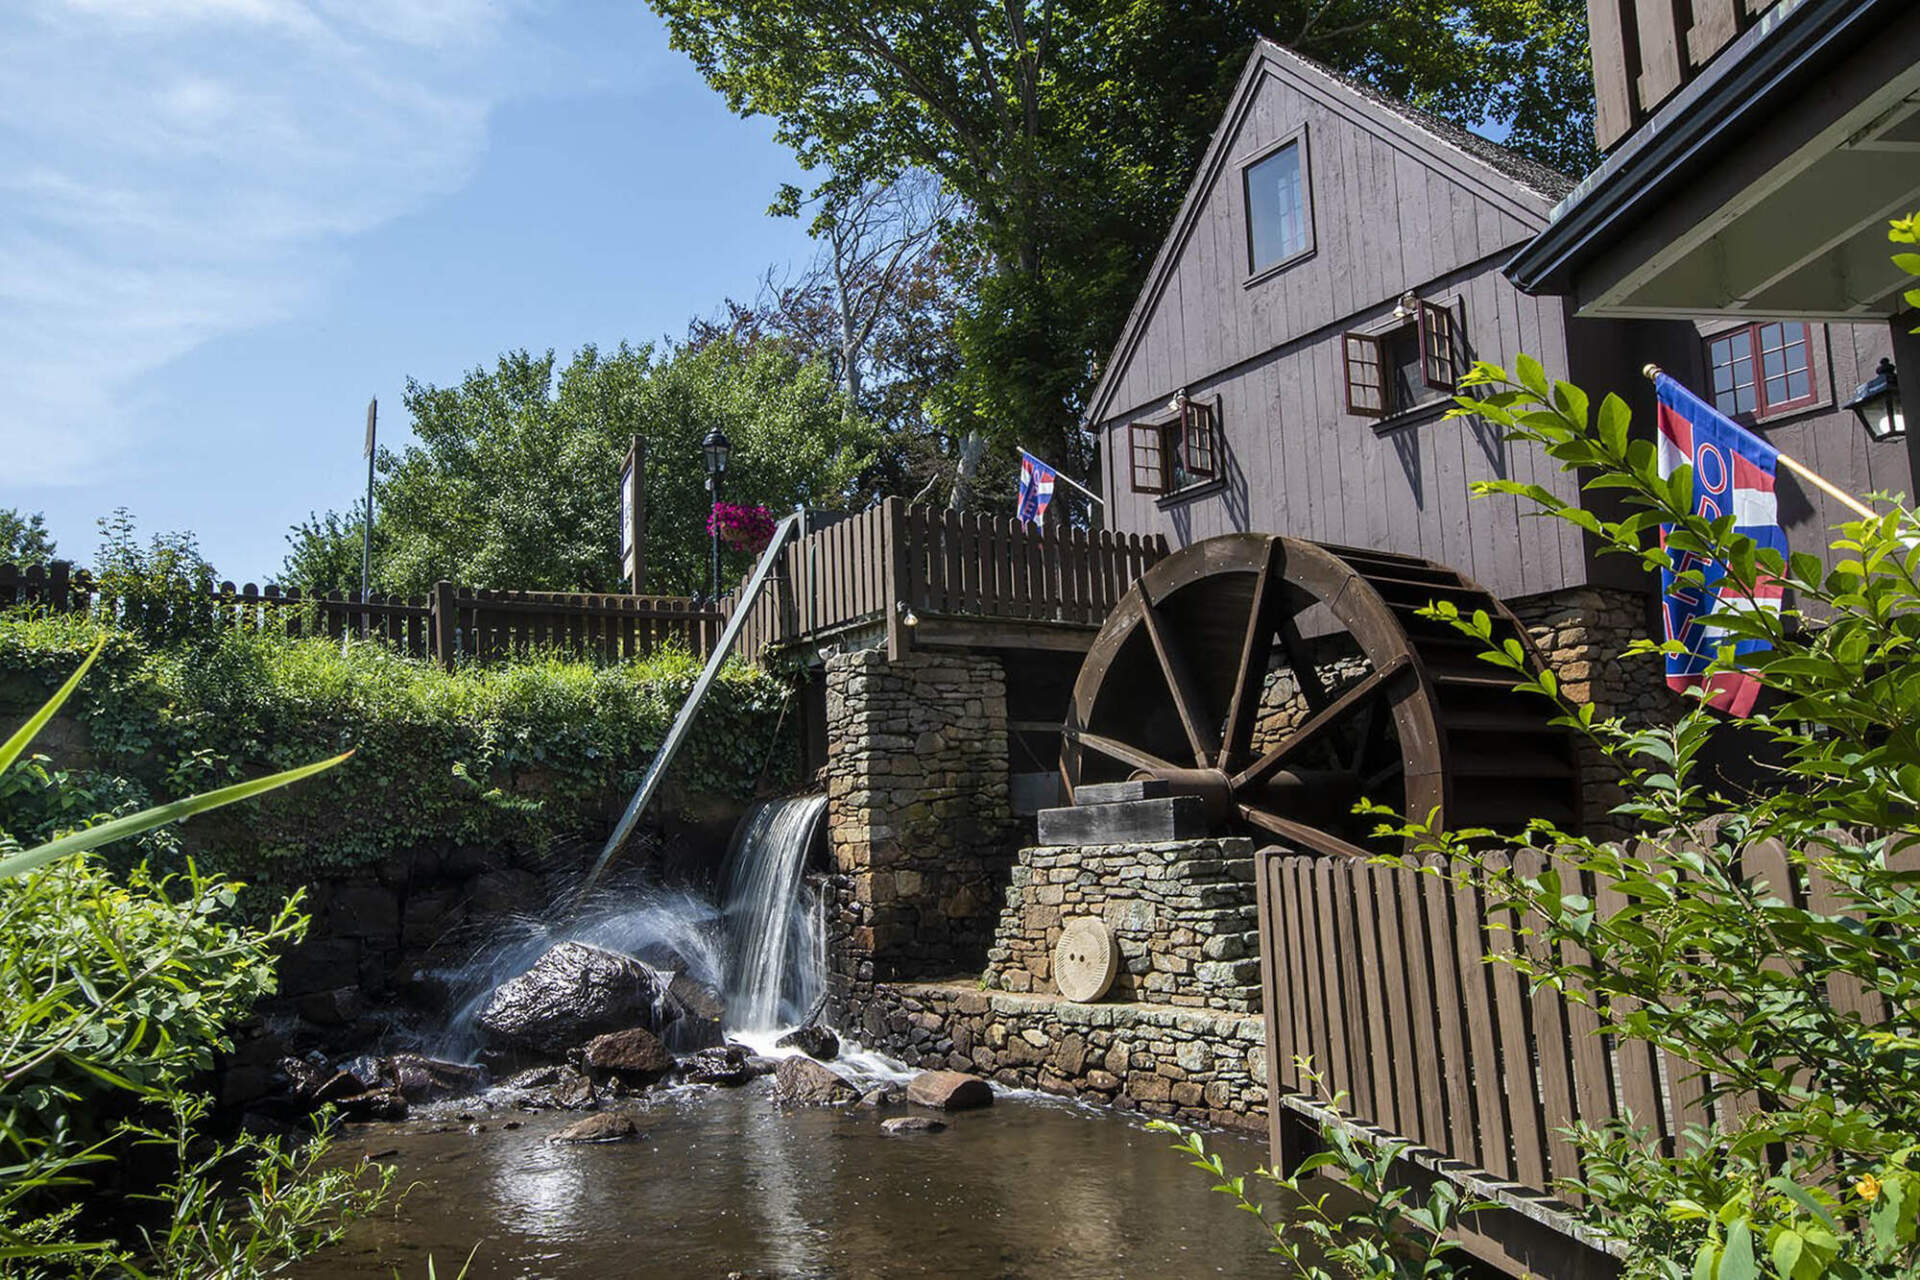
{"x":1371,"y":699}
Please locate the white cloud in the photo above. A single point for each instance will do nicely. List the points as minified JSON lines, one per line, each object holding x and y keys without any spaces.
{"x":173,"y":170}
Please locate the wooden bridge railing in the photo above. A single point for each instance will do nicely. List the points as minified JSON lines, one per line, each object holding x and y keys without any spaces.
{"x":1644,"y":51}
{"x":891,"y":560}
{"x":1377,"y":972}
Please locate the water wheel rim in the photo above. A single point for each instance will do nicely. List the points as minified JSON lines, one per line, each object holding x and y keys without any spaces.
{"x":1302,"y":570}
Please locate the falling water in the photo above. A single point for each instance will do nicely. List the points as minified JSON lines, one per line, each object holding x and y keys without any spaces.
{"x":775,"y":939}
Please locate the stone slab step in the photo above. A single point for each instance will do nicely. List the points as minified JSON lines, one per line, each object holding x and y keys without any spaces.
{"x":1118,"y":792}
{"x":1125,"y":822}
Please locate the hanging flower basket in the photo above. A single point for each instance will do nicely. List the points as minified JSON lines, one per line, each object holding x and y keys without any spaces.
{"x":743,"y":528}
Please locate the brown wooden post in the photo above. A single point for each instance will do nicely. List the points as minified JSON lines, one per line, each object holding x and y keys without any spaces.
{"x":57,"y":586}
{"x":445,"y":620}
{"x":893,"y":555}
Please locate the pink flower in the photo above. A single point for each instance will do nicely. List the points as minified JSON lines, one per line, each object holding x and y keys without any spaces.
{"x":741,"y":527}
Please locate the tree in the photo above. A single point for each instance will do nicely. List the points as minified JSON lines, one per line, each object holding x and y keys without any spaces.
{"x":513,"y":482}
{"x":326,"y":552}
{"x":1069,"y":130}
{"x":24,"y":539}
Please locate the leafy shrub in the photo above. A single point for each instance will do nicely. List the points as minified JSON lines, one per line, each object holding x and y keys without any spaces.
{"x":115,"y":991}
{"x":525,"y":753}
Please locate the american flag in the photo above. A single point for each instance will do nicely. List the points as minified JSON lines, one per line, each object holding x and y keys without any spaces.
{"x":1036,"y":489}
{"x":1733,"y":473}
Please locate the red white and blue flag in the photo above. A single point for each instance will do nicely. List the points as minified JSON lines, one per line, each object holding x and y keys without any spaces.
{"x":1733,"y":472}
{"x":1036,"y":489}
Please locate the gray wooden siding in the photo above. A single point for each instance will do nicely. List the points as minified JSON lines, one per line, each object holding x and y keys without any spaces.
{"x":1298,"y":464}
{"x":1385,"y":219}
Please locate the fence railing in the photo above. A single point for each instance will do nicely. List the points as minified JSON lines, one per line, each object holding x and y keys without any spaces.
{"x":453,"y":623}
{"x":1644,"y":50}
{"x":1378,"y":973}
{"x":889,"y":564}
{"x":891,"y":561}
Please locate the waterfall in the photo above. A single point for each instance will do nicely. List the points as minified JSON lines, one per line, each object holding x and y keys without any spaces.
{"x":776,"y":946}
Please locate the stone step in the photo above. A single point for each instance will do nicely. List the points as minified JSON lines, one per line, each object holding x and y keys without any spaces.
{"x":1119,"y":792}
{"x":1125,"y":822}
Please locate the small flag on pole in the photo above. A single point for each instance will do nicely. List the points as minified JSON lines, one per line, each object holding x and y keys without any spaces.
{"x":1733,"y":474}
{"x":1036,"y":489}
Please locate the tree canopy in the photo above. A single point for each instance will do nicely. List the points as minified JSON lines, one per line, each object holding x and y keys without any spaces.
{"x":513,"y":482}
{"x":24,"y":539}
{"x":1070,"y":128}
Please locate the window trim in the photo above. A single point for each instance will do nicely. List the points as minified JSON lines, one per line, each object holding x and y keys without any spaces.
{"x":1819,"y":367}
{"x":1255,"y":275}
{"x":1422,"y":322}
{"x":1167,"y":434}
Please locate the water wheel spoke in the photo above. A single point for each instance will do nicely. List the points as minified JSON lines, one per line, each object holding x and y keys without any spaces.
{"x":1299,"y":833}
{"x":1304,"y":672}
{"x":1186,"y":698}
{"x":1255,"y":650}
{"x":1321,"y":722}
{"x":1373,"y":780}
{"x":1121,"y":751}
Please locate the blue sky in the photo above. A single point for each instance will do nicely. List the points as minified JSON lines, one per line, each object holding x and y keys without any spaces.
{"x":225,"y":223}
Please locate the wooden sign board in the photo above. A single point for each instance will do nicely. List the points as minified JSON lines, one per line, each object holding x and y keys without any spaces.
{"x":633,"y":515}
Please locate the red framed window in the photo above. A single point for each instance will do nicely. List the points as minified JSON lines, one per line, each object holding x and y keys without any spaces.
{"x":1762,"y":369}
{"x":1187,"y":450}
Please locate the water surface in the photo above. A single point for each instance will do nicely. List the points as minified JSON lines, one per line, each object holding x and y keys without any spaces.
{"x":725,"y":1183}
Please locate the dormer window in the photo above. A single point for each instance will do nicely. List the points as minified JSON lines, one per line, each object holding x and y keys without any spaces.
{"x":1403,"y":366}
{"x":1183,"y":452}
{"x":1279,"y":221}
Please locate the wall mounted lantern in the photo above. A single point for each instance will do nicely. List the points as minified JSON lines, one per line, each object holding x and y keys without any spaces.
{"x":1876,"y":402}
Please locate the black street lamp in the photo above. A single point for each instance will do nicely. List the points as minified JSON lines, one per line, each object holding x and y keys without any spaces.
{"x":1876,"y":402}
{"x":716,"y":447}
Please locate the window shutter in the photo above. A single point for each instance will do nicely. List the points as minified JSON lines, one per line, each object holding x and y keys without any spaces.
{"x":1200,"y":439}
{"x":1436,"y":347}
{"x":1365,"y":374}
{"x":1147,"y":458}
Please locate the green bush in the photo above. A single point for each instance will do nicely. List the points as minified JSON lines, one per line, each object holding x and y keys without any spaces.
{"x":514,"y":754}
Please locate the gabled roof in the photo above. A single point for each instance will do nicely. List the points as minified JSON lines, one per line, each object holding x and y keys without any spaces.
{"x":1526,"y":189}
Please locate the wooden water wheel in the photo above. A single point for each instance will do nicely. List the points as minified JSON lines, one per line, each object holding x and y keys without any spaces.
{"x":1362,"y":696}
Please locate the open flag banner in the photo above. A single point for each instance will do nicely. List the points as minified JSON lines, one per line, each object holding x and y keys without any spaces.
{"x":1036,"y":489}
{"x":1733,"y":472}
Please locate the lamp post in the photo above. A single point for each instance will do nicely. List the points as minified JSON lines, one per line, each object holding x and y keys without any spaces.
{"x":716,"y":447}
{"x":1876,"y":402}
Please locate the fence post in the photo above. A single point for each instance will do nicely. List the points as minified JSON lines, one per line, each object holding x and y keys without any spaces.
{"x":57,"y":587}
{"x":893,"y":571}
{"x":445,"y":621}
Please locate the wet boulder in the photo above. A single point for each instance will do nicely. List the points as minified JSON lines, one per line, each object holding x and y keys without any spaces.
{"x":375,"y":1104}
{"x":725,"y":1065}
{"x":575,"y":1092}
{"x":949,"y":1091}
{"x":813,"y":1040}
{"x":802,"y":1082}
{"x":694,"y":1015}
{"x":635,"y":1056}
{"x":573,"y":993}
{"x":422,"y":1079}
{"x":912,"y":1124}
{"x":608,"y":1126}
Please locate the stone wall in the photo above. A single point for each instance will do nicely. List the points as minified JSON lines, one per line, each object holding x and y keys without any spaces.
{"x":1199,"y":1066}
{"x":1583,"y":633}
{"x":1183,"y":915}
{"x":918,"y":813}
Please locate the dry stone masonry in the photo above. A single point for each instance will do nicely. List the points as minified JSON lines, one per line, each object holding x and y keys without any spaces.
{"x":1200,"y":1066}
{"x":1182,"y":912}
{"x":919,"y":813}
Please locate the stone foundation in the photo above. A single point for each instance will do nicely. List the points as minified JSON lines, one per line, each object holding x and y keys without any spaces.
{"x":1198,"y":1066}
{"x":919,"y":816}
{"x":1583,"y":633}
{"x":1183,"y":914}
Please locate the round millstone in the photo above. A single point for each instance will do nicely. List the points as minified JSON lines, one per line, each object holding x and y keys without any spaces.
{"x":1085,"y":960}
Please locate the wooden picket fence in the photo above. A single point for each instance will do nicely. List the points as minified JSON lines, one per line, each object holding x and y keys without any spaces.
{"x":1377,"y":972}
{"x":451,"y":624}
